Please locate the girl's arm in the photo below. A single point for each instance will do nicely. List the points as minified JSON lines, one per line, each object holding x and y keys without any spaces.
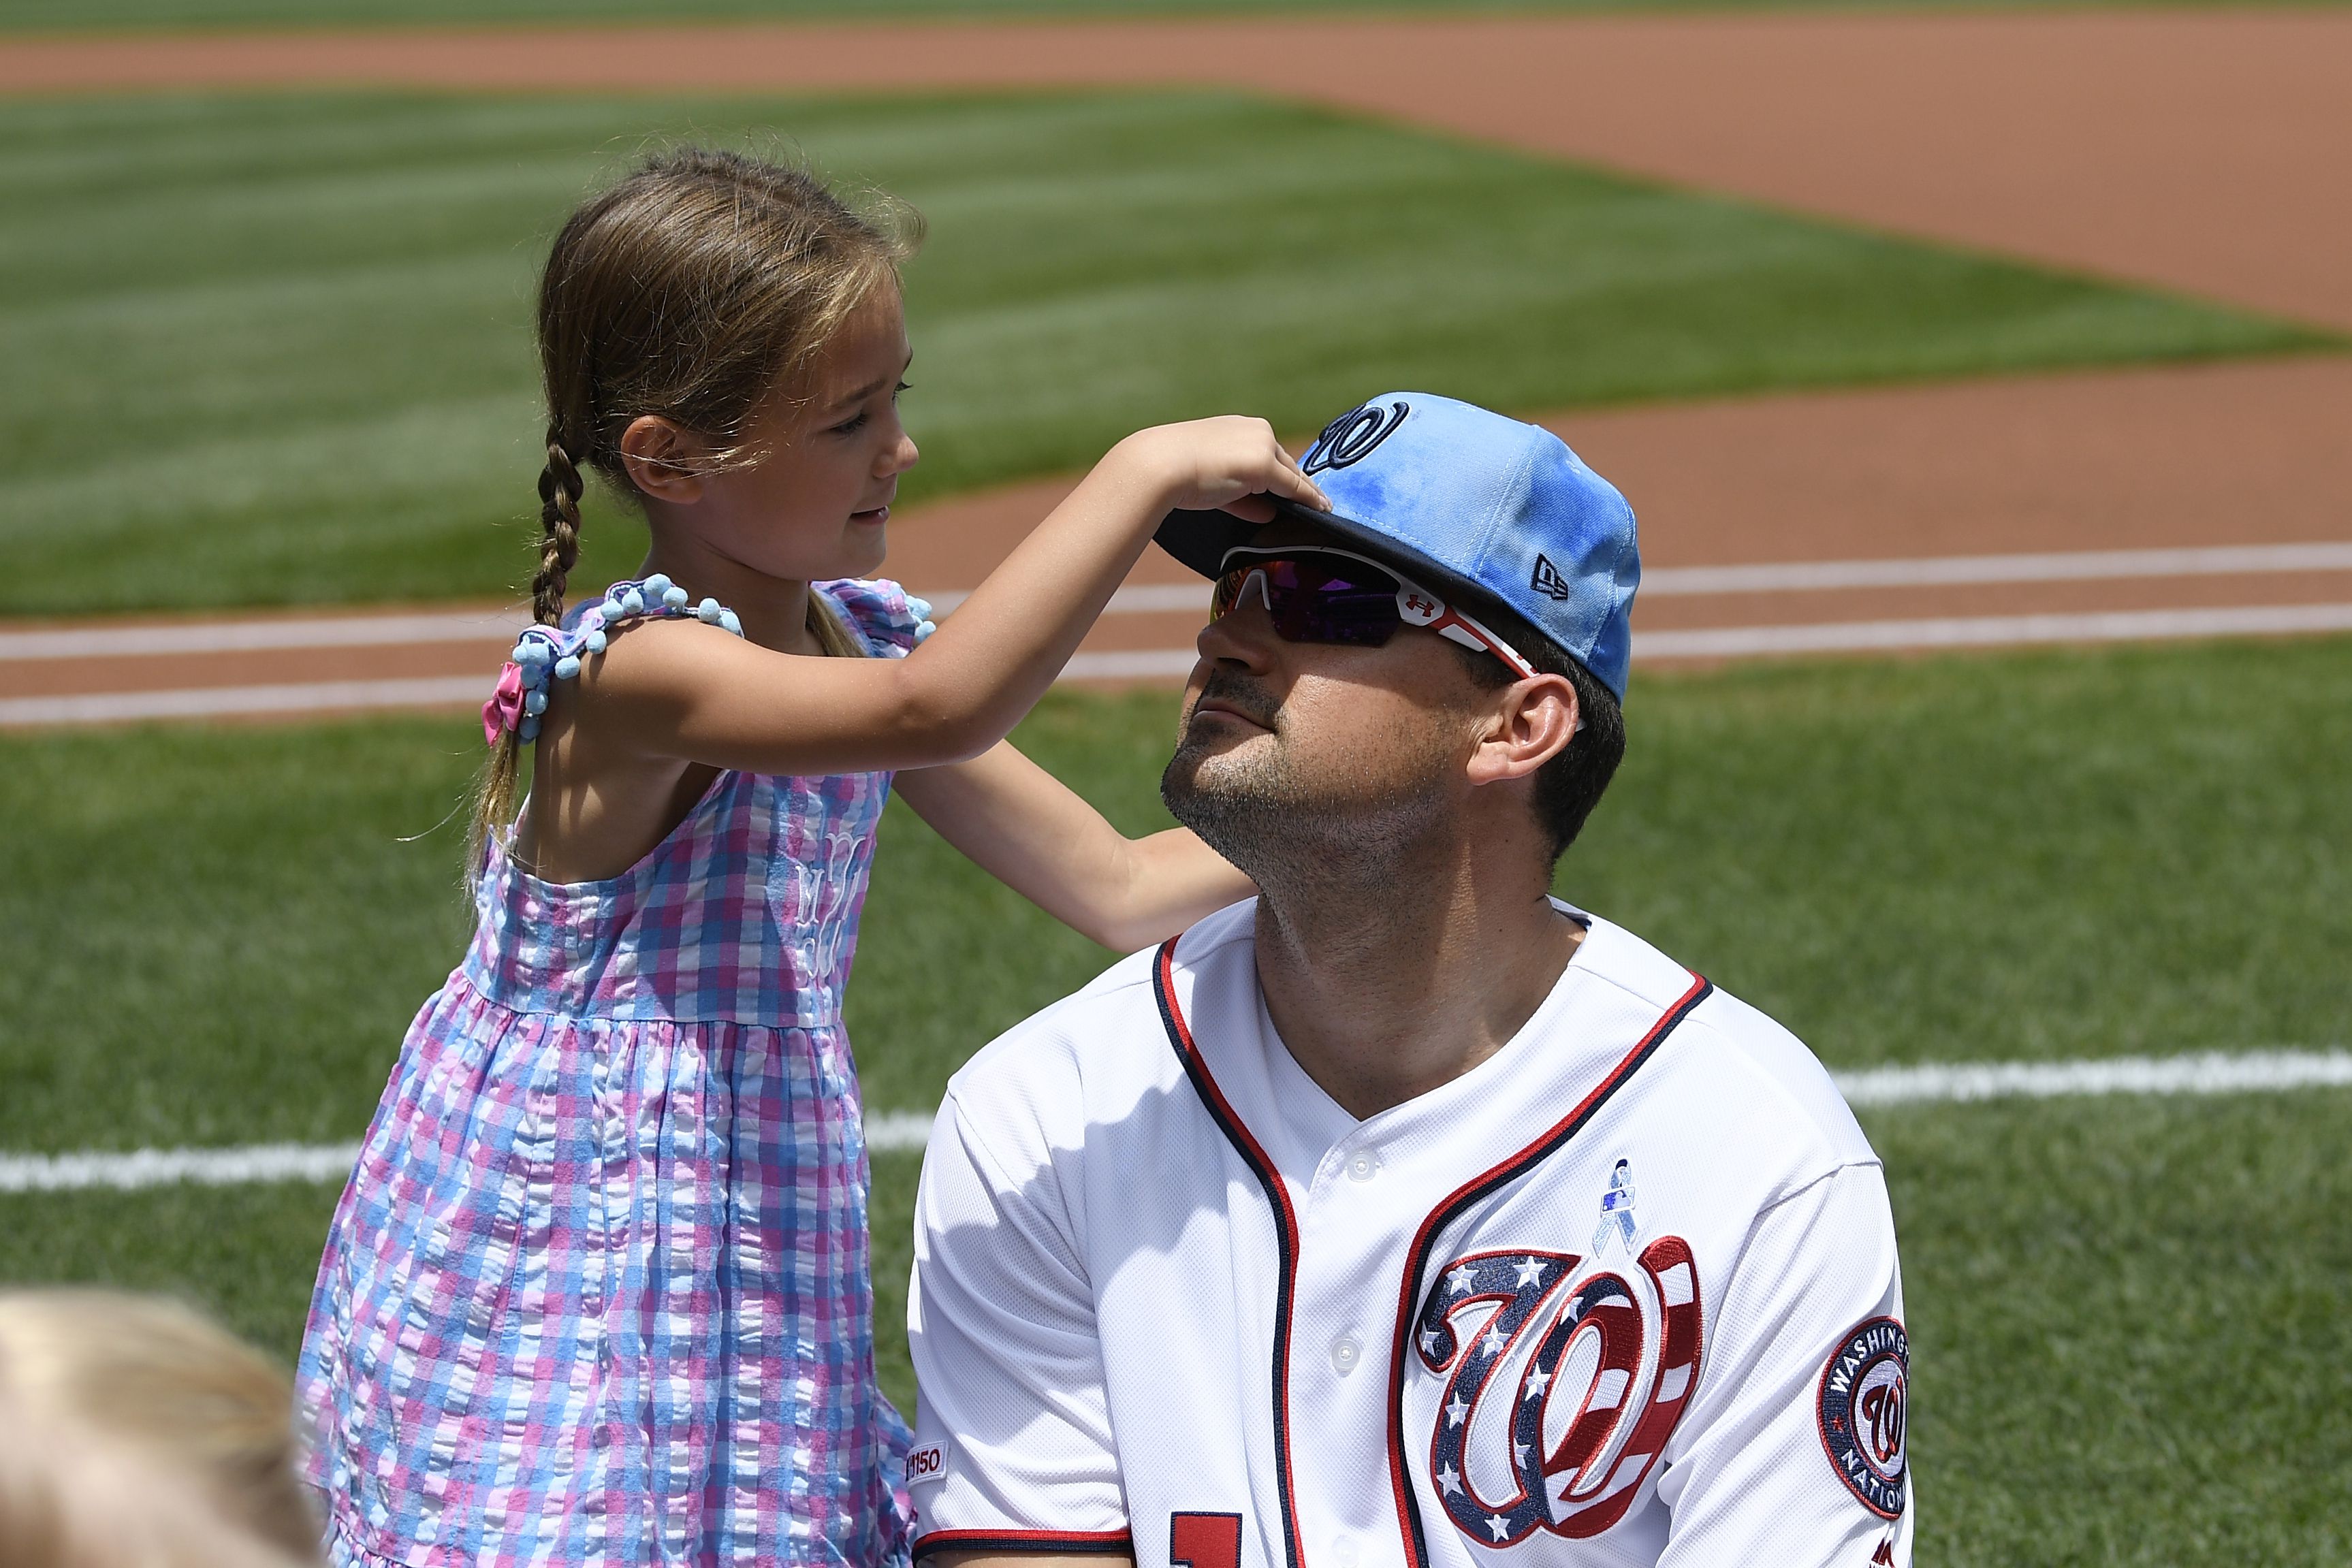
{"x":681,"y":690}
{"x":1028,"y":829}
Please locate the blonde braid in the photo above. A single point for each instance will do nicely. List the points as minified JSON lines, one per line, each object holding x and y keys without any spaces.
{"x":500,"y":789}
{"x":559,"y":521}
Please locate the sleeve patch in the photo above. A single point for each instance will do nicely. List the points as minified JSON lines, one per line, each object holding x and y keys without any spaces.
{"x":926,"y":1463}
{"x":1863,"y":1406}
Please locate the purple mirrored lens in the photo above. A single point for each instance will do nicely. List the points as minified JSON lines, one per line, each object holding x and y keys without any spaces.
{"x":1320,"y":598}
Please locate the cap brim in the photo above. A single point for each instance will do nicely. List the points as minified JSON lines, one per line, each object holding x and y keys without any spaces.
{"x":1203,"y":539}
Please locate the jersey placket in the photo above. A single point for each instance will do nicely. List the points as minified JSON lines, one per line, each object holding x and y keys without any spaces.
{"x":1339,"y":1369}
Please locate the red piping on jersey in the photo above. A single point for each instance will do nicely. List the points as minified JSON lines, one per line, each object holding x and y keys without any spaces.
{"x":1180,"y":1035}
{"x":1017,"y":1541}
{"x":1416,"y":1548}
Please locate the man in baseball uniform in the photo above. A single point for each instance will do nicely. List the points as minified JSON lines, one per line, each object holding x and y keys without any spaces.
{"x":1405,"y":1217}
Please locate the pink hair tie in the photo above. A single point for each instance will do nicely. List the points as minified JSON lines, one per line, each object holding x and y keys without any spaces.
{"x":503,"y":712}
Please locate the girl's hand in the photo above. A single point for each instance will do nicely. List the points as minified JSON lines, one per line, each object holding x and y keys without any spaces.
{"x":1231,"y":461}
{"x":670,"y":693}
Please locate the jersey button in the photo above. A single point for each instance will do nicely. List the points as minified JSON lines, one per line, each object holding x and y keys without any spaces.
{"x":1345,"y":1353}
{"x":1362,"y":1166}
{"x":1343,"y":1553}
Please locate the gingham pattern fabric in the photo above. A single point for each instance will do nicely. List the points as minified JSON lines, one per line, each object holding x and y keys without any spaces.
{"x":597,"y":1292}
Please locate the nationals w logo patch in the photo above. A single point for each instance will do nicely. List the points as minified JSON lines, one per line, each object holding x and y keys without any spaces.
{"x":1352,"y":437}
{"x":1865,"y":1404}
{"x":1563,"y":1385}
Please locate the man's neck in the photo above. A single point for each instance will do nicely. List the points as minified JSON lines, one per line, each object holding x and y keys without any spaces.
{"x":1388,"y":990}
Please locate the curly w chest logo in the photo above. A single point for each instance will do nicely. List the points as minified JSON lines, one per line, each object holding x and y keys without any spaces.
{"x":1563,"y":1385}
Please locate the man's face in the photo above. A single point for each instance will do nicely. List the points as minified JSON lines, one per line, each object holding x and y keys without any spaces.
{"x":1291,"y":754}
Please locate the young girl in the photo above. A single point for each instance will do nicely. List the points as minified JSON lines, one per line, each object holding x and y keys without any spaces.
{"x":597,"y":1291}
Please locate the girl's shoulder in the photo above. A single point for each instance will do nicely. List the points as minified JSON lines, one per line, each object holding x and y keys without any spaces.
{"x":543,"y":654}
{"x":654,"y":598}
{"x":891,"y":620}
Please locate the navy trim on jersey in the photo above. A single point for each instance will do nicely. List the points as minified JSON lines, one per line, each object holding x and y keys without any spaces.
{"x":1416,"y":1544}
{"x":1016,"y":1541}
{"x":1277,"y":1197}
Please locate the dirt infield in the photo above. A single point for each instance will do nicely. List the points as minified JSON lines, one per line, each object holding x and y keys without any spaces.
{"x":2197,"y":150}
{"x":2006,"y":475}
{"x":2201,"y":151}
{"x":2184,"y":456}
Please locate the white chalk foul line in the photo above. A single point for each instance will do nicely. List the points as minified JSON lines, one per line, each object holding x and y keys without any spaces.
{"x":221,"y":702}
{"x":897,"y":1132}
{"x":437,"y":691}
{"x":1131,"y":665}
{"x":164,"y":1167}
{"x":1993,"y":630}
{"x":1865,"y":636}
{"x":1943,"y":571}
{"x":2206,"y":1072}
{"x":363,"y":630}
{"x":243,"y":636}
{"x":1142,"y":664}
{"x":1820,"y":576}
{"x":905,"y":1132}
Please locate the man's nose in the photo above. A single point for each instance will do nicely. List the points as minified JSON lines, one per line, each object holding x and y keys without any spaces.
{"x":1242,"y":635}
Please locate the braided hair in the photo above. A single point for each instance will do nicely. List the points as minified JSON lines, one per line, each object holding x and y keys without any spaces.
{"x":694,"y":289}
{"x":559,"y":522}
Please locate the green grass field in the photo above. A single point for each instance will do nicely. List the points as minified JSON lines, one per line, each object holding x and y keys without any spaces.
{"x":2131,"y":1340}
{"x":79,"y":15}
{"x":273,"y":349}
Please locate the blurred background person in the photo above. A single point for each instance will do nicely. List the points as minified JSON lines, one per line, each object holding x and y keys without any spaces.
{"x":134,"y":1432}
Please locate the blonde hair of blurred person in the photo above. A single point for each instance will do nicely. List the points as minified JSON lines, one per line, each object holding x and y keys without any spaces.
{"x":135,"y":1434}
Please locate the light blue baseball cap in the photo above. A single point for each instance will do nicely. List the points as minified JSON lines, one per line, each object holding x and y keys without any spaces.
{"x":1474,"y":506}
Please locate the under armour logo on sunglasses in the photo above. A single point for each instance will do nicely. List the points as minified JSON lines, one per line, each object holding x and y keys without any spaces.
{"x":1352,"y":437}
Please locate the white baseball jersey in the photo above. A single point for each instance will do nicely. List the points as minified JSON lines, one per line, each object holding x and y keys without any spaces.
{"x":1624,"y":1292}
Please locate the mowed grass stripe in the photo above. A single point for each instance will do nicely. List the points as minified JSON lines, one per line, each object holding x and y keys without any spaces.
{"x":2128,"y":1344}
{"x":218,"y":936}
{"x":2127,"y":1312}
{"x":904,"y":1132}
{"x":273,"y":349}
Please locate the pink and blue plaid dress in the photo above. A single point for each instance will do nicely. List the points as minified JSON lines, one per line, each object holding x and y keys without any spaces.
{"x":597,"y":1292}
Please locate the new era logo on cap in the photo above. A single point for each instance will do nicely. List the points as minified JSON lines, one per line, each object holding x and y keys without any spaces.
{"x":1547,"y":580}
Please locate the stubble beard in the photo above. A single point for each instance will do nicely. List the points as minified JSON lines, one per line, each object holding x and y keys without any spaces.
{"x":1299,"y":831}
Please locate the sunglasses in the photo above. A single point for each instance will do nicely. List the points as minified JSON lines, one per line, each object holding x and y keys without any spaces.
{"x":1323,"y":595}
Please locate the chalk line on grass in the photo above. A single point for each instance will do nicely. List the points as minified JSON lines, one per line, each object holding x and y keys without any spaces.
{"x":1826,"y":576}
{"x":246,"y":636}
{"x":1169,"y":664}
{"x":1952,"y":570}
{"x":905,"y":1131}
{"x":2205,"y":1072}
{"x":1865,"y":636}
{"x":1992,"y":631}
{"x":369,"y":631}
{"x":218,"y":702}
{"x":162,"y":1167}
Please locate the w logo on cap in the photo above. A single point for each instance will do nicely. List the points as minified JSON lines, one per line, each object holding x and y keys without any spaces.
{"x":1352,"y":437}
{"x":1547,"y":581}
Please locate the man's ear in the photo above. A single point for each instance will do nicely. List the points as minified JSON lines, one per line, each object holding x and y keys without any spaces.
{"x":663,"y":460}
{"x":1530,"y":723}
